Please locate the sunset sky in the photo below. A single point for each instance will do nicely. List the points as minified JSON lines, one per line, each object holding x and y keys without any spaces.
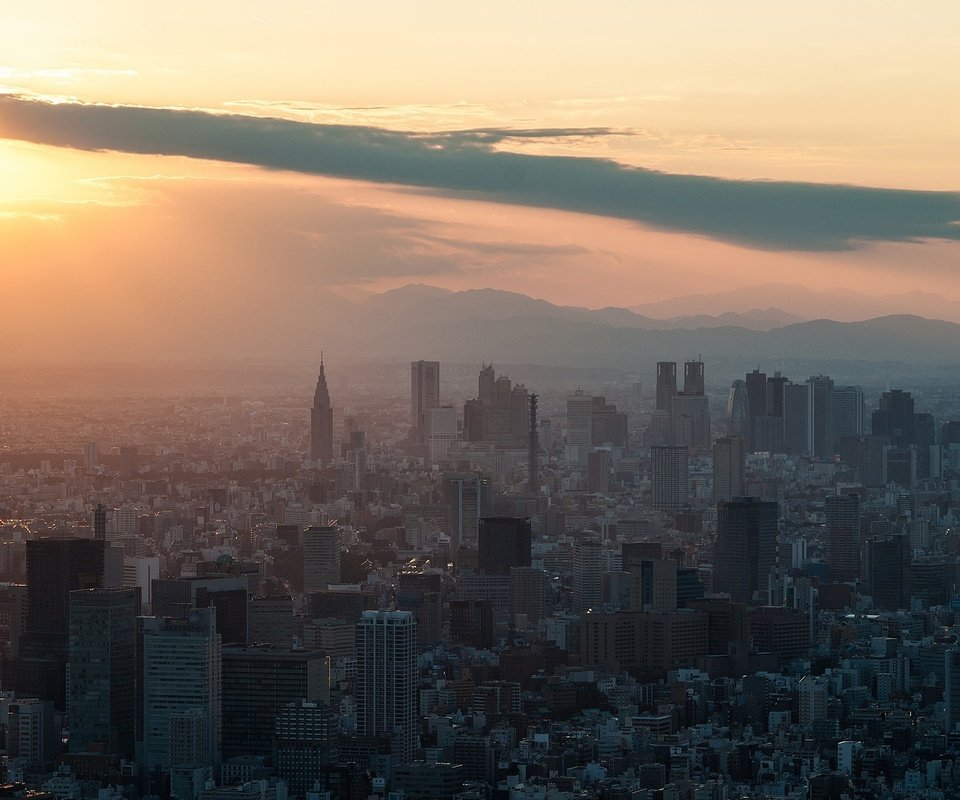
{"x":172,"y":163}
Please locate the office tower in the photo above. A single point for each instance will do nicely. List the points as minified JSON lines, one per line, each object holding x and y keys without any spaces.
{"x":91,"y":455}
{"x":271,"y":621}
{"x":814,"y":693}
{"x":738,"y":410}
{"x":598,"y":471}
{"x":386,"y":692}
{"x":756,"y":384}
{"x":472,"y":623}
{"x":103,"y":685}
{"x":951,"y":688}
{"x":424,"y":394}
{"x":900,"y":466}
{"x":499,"y":414}
{"x":587,"y":573}
{"x":440,"y":432}
{"x":321,"y":422}
{"x":843,"y":536}
{"x":129,"y":462}
{"x":887,"y":571}
{"x":693,"y":383}
{"x":819,"y":416}
{"x":895,"y":418}
{"x":258,"y":682}
{"x":608,"y":427}
{"x":653,"y":583}
{"x":504,"y":542}
{"x":321,"y":557}
{"x":529,"y":594}
{"x":533,"y":449}
{"x":669,"y":477}
{"x":745,"y":548}
{"x":666,"y":384}
{"x":55,"y":567}
{"x":729,"y":468}
{"x":775,"y":387}
{"x":467,"y":498}
{"x":669,"y":640}
{"x":305,"y":745}
{"x":690,"y":421}
{"x":13,"y":616}
{"x":32,"y":735}
{"x":182,"y":691}
{"x":795,"y":418}
{"x":228,"y":594}
{"x":579,"y":426}
{"x":100,"y":522}
{"x":846,"y":413}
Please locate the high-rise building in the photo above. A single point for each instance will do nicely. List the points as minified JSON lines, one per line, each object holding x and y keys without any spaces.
{"x":32,"y":735}
{"x":271,"y":620}
{"x":182,"y":691}
{"x":895,"y":418}
{"x":795,"y":418}
{"x":693,"y":382}
{"x":887,"y":571}
{"x":103,"y":685}
{"x":228,"y":594}
{"x":729,"y":468}
{"x":441,"y":432}
{"x":846,"y":413}
{"x":666,"y":384}
{"x":321,"y":557}
{"x":745,"y":548}
{"x":467,"y":497}
{"x":529,"y":594}
{"x":504,"y":542}
{"x":386,"y":691}
{"x":690,"y":420}
{"x":843,"y":536}
{"x":499,"y":414}
{"x":305,"y":745}
{"x":472,"y":623}
{"x":814,"y":694}
{"x":669,"y":477}
{"x":738,"y":410}
{"x":588,"y":570}
{"x":321,"y":422}
{"x":598,"y":471}
{"x":424,"y":394}
{"x":258,"y":682}
{"x":579,"y":426}
{"x":100,"y":522}
{"x":951,"y":688}
{"x":820,"y":441}
{"x":129,"y":461}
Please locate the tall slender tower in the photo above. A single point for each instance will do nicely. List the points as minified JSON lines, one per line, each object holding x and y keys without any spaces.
{"x":424,"y":394}
{"x":533,"y":451}
{"x":321,"y":422}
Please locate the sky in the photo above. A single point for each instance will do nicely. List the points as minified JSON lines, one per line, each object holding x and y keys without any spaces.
{"x":171,"y":164}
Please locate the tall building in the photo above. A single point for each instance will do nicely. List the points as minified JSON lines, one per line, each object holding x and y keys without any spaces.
{"x":895,"y":418}
{"x":182,"y":691}
{"x":666,"y":384}
{"x":690,"y":420}
{"x":55,"y":567}
{"x":258,"y":682}
{"x":579,"y":426}
{"x":598,"y":471}
{"x":321,"y":557}
{"x":951,"y":688}
{"x":440,"y":432}
{"x":846,"y":413}
{"x":386,"y":691}
{"x":693,"y":382}
{"x":424,"y":394}
{"x":729,"y":468}
{"x":32,"y":735}
{"x":669,"y":477}
{"x":887,"y":571}
{"x":843,"y":536}
{"x":499,"y":414}
{"x":745,"y":548}
{"x":305,"y":745}
{"x":738,"y":410}
{"x":103,"y":685}
{"x":504,"y":542}
{"x":321,"y":422}
{"x":129,"y":461}
{"x":100,"y":522}
{"x":820,"y":441}
{"x":467,"y":497}
{"x":796,"y":399}
{"x":587,"y":573}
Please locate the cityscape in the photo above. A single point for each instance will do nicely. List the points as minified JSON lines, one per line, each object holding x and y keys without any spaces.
{"x":501,"y":401}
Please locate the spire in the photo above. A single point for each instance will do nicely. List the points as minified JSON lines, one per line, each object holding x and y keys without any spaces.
{"x":321,"y":397}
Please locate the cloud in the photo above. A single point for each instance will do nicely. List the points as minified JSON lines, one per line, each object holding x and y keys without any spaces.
{"x":768,"y":215}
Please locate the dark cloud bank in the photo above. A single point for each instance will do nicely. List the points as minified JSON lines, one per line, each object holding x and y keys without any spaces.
{"x":770,"y":215}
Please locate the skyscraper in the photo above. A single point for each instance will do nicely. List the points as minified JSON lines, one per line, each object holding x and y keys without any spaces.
{"x":321,"y":422}
{"x":843,"y":536}
{"x":386,"y":680}
{"x":424,"y":394}
{"x":951,"y":688}
{"x":846,"y":413}
{"x":666,"y":384}
{"x":746,"y":546}
{"x":321,"y":557}
{"x":820,"y":416}
{"x":182,"y":691}
{"x":504,"y":542}
{"x":738,"y":410}
{"x":587,"y":573}
{"x":887,"y":571}
{"x":669,"y":477}
{"x":102,"y":690}
{"x":894,"y":419}
{"x":693,"y":382}
{"x":795,"y":418}
{"x":467,"y":498}
{"x":100,"y":522}
{"x":729,"y":468}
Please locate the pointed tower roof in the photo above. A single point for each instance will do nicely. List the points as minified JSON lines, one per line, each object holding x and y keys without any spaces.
{"x":321,"y":397}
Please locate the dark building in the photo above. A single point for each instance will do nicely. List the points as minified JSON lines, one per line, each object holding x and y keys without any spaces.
{"x":500,"y":412}
{"x":424,"y":394}
{"x":321,"y":422}
{"x":745,"y":548}
{"x":820,"y":439}
{"x":422,"y":781}
{"x":782,"y":631}
{"x":341,"y":604}
{"x":887,"y":571}
{"x":666,"y":384}
{"x":843,"y":536}
{"x":101,"y":696}
{"x":795,"y":418}
{"x":258,"y":683}
{"x":503,"y":543}
{"x":693,"y":382}
{"x":895,"y":418}
{"x":305,"y":745}
{"x":174,"y":597}
{"x":471,"y":623}
{"x":55,"y":567}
